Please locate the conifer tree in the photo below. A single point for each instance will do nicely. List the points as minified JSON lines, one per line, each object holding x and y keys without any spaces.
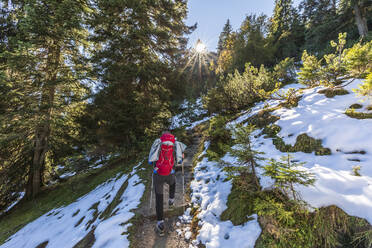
{"x":43,"y":70}
{"x":285,"y":30}
{"x":138,"y":46}
{"x":365,"y":89}
{"x":246,"y":154}
{"x":361,"y":10}
{"x":286,"y":175}
{"x":309,"y":73}
{"x":224,"y":36}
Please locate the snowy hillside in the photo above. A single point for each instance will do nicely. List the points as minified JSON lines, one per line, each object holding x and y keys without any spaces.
{"x":210,"y":191}
{"x":349,"y":139}
{"x":95,"y":212}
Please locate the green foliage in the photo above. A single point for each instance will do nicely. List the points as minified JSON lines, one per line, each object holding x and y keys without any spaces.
{"x":224,"y":36}
{"x":310,"y":71}
{"x":285,"y":223}
{"x":239,"y":201}
{"x":358,"y":59}
{"x":333,"y":72}
{"x":139,"y":52}
{"x":286,"y":175}
{"x":243,"y":150}
{"x":286,"y":32}
{"x":285,"y":71}
{"x":219,"y":136}
{"x":263,"y":118}
{"x":43,"y":72}
{"x":250,"y":44}
{"x":365,"y":89}
{"x":336,"y":67}
{"x":240,"y":90}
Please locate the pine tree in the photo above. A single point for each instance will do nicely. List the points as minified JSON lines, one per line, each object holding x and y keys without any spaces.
{"x":322,"y":24}
{"x":138,"y":46}
{"x":365,"y":89}
{"x":246,"y":154}
{"x":333,"y":72}
{"x":224,"y":36}
{"x":361,"y":10}
{"x":310,"y":71}
{"x":286,"y":175}
{"x":251,"y":45}
{"x":285,"y":30}
{"x":43,"y":70}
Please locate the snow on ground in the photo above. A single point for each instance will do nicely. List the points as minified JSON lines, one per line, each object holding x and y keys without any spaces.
{"x":67,"y":225}
{"x":210,"y":192}
{"x":190,"y":112}
{"x":259,"y":106}
{"x":19,"y":197}
{"x":195,"y":123}
{"x":324,"y":118}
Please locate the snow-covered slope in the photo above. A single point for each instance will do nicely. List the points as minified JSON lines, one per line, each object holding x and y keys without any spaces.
{"x":209,"y":192}
{"x":66,"y":226}
{"x":349,"y":139}
{"x":191,"y":116}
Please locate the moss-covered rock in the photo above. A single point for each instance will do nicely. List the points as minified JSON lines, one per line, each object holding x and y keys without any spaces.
{"x":331,"y":92}
{"x":304,"y":143}
{"x":358,"y":115}
{"x":356,"y":106}
{"x":263,"y":118}
{"x":291,"y":103}
{"x":271,"y":130}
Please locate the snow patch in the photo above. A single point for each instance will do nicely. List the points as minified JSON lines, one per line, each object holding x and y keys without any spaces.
{"x":66,"y":226}
{"x":210,"y":191}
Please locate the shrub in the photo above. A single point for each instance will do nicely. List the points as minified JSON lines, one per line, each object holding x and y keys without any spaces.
{"x":286,"y":175}
{"x":358,"y":60}
{"x":219,"y":136}
{"x":309,"y":73}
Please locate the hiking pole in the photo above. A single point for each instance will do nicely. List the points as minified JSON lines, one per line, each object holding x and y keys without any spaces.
{"x":183,"y":188}
{"x":152,"y":187}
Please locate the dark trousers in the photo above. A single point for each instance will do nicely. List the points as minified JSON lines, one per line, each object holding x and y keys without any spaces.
{"x":159,"y":181}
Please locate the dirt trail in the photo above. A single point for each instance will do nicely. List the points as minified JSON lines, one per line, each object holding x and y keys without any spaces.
{"x":146,"y":236}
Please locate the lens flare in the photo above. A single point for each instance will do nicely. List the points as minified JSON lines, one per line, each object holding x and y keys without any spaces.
{"x":200,"y":47}
{"x":198,"y":60}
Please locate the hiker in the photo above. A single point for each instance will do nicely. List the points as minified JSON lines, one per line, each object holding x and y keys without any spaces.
{"x":164,"y":152}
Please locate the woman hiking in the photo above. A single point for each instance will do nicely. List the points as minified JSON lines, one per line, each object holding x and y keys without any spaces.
{"x":165,"y":151}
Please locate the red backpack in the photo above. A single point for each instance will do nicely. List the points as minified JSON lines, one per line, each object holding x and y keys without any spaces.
{"x":166,"y":157}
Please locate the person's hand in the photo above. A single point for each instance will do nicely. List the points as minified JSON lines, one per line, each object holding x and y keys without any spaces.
{"x":183,"y":155}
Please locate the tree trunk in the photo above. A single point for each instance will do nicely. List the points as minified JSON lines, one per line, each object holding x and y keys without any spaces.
{"x":254,"y":175}
{"x":42,"y":130}
{"x":360,"y":21}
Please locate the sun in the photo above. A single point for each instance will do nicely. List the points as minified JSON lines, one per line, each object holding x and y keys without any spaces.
{"x":200,"y":47}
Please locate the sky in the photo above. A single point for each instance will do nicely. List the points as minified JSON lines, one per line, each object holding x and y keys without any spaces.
{"x":211,"y":16}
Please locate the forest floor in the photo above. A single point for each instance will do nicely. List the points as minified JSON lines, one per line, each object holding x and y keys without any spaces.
{"x":145,"y":235}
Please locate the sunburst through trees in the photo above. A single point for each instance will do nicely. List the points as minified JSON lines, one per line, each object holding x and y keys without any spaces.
{"x":199,"y":66}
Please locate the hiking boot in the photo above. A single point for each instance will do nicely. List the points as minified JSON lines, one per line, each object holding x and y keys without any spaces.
{"x":171,"y":202}
{"x":160,"y":228}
